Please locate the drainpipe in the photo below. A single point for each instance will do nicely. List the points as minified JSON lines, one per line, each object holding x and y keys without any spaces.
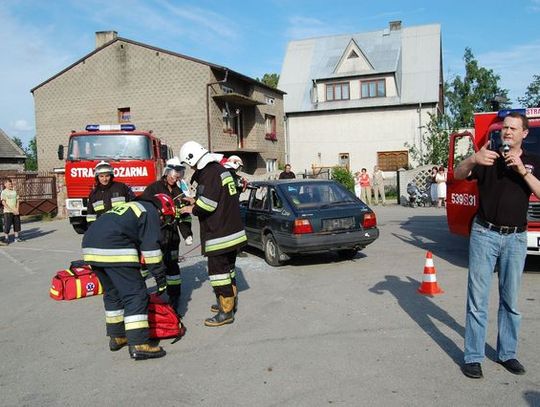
{"x":208,"y":107}
{"x":419,"y":110}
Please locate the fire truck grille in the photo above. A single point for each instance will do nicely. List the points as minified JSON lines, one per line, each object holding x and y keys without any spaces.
{"x":534,"y":211}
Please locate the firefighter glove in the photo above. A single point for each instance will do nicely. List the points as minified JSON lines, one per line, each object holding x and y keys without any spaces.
{"x":161,"y":283}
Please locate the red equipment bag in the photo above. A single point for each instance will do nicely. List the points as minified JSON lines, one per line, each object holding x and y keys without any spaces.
{"x":163,"y":321}
{"x":76,"y":282}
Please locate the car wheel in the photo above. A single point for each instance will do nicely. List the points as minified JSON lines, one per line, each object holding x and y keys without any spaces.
{"x":272,"y":252}
{"x":348,"y":254}
{"x":79,"y":229}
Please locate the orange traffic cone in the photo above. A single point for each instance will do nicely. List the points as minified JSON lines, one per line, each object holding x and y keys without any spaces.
{"x":429,"y":284}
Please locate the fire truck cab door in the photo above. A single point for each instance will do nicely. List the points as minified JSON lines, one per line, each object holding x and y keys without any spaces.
{"x":461,"y":195}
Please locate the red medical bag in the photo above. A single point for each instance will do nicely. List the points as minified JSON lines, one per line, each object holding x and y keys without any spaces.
{"x":76,"y":282}
{"x":163,"y":321}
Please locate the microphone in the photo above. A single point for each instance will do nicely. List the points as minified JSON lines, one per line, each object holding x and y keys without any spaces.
{"x":505,"y":149}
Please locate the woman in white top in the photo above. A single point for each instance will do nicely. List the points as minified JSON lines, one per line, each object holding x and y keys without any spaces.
{"x":440,"y":179}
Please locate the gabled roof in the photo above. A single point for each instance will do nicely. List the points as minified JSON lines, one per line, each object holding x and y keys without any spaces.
{"x":140,"y":44}
{"x":8,"y":148}
{"x":411,"y":54}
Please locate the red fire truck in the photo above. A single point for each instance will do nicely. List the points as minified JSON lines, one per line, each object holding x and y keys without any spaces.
{"x":462,"y":196}
{"x":137,"y":158}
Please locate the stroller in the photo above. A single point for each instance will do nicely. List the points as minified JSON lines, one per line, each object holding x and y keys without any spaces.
{"x":416,"y":196}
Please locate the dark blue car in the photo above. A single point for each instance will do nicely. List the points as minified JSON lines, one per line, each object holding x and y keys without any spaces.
{"x":288,"y":217}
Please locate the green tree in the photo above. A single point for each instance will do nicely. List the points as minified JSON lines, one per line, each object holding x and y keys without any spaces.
{"x":31,"y":156}
{"x":436,"y":141}
{"x":270,"y":79}
{"x":532,"y":95}
{"x":475,"y":92}
{"x":344,"y":177}
{"x":18,"y":141}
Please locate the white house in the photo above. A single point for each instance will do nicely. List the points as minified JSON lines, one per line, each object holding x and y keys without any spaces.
{"x":356,"y":99}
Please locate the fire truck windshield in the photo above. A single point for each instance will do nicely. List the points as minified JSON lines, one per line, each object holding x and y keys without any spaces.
{"x":110,"y":146}
{"x":531,"y":143}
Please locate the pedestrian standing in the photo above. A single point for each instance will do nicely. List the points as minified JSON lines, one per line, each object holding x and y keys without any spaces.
{"x":498,"y":237}
{"x":433,"y":186}
{"x":440,"y":179}
{"x":222,"y":231}
{"x":287,"y":174}
{"x":378,"y":185}
{"x":10,"y":201}
{"x":365,"y":186}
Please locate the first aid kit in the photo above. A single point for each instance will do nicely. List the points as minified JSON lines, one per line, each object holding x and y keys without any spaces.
{"x":78,"y":281}
{"x":163,"y":321}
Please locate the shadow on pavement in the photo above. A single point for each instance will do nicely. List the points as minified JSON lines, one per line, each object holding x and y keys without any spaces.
{"x":33,"y":233}
{"x":308,"y":259}
{"x":423,"y":310}
{"x":431,"y":233}
{"x":195,"y":275}
{"x":532,"y":398}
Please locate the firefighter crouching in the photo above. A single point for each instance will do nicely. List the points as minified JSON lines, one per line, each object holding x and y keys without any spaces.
{"x":222,"y":231}
{"x":111,"y":246}
{"x":107,"y":193}
{"x":170,"y":237}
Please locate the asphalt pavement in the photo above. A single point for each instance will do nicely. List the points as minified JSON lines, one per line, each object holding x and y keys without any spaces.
{"x":318,"y":331}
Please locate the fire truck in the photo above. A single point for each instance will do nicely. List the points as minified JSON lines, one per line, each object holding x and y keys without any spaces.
{"x":137,"y":158}
{"x":462,"y":195}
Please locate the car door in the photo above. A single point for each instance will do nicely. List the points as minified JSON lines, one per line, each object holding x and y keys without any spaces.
{"x":257,"y":215}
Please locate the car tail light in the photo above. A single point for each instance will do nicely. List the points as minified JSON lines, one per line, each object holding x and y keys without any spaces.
{"x":302,"y":226}
{"x":370,"y":221}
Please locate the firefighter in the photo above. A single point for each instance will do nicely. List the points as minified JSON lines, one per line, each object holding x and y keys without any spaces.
{"x":112,"y":247}
{"x":170,"y":237}
{"x":184,"y":220}
{"x":107,"y":193}
{"x":222,"y":232}
{"x":233,"y":164}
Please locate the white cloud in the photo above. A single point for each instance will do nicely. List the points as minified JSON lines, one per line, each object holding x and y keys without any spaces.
{"x":21,"y":125}
{"x":307,"y":27}
{"x":516,"y":67}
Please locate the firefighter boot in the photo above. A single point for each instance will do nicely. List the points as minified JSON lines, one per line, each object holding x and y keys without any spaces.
{"x":146,"y":351}
{"x":215,"y":307}
{"x":117,"y":343}
{"x":225,"y":314}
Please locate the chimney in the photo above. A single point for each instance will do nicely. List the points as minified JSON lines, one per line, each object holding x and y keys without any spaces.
{"x":395,"y":25}
{"x":103,"y":37}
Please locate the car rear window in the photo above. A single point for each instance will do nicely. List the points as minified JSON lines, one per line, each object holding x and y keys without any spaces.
{"x":317,"y":194}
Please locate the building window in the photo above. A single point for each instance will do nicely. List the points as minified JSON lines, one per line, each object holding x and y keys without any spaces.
{"x":124,"y":115}
{"x":392,"y":160}
{"x":227,"y":122}
{"x":271,"y":164}
{"x":270,"y":127}
{"x":337,"y":91}
{"x":373,"y":89}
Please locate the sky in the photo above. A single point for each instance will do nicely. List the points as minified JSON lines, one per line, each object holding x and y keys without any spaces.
{"x":40,"y":38}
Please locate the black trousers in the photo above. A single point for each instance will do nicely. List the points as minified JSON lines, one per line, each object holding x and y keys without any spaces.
{"x":11,"y":219}
{"x":170,"y":242}
{"x":221,"y":273}
{"x":126,"y":303}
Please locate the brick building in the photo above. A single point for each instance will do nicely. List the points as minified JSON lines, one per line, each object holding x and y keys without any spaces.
{"x":178,"y":97}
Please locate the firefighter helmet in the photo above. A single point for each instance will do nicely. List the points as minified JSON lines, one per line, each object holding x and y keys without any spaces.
{"x":103,"y":167}
{"x":191,"y":152}
{"x":165,"y":204}
{"x":174,"y":164}
{"x":234,"y":162}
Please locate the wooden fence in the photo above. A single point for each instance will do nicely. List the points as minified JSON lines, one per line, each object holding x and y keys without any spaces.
{"x":37,"y":192}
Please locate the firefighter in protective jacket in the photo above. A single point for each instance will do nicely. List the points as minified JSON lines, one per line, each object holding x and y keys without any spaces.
{"x":222,"y":231}
{"x":107,"y":193}
{"x":112,"y":246}
{"x":170,"y":237}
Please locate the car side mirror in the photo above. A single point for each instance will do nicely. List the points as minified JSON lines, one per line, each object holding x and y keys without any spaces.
{"x":60,"y":152}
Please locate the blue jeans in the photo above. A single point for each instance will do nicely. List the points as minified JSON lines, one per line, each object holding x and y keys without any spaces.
{"x":486,"y":248}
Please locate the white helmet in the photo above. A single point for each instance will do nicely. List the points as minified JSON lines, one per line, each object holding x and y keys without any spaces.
{"x":233,"y":162}
{"x":103,"y":167}
{"x":173,"y":164}
{"x":191,"y":152}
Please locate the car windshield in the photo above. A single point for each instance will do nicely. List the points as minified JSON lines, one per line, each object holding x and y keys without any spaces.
{"x":531,"y":143}
{"x":110,"y":146}
{"x":318,"y":194}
